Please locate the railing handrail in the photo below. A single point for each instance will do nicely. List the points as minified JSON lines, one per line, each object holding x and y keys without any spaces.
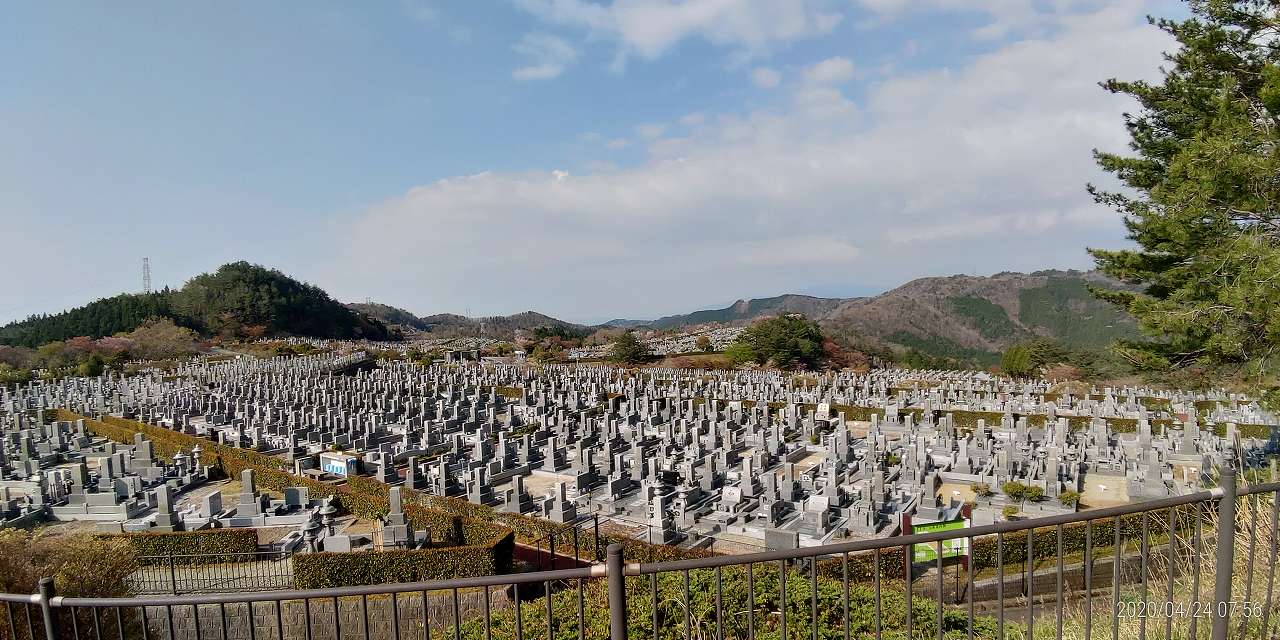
{"x":597,"y":571}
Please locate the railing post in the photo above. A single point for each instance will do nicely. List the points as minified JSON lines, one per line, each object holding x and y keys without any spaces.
{"x":173,"y":575}
{"x":614,"y":571}
{"x":596,"y":546}
{"x":50,"y":621}
{"x":1225,"y":551}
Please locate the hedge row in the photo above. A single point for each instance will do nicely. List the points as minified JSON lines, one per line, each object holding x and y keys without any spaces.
{"x":324,"y":570}
{"x":1044,"y":542}
{"x":363,"y":497}
{"x":452,"y":521}
{"x":212,"y":545}
{"x":862,"y":566}
{"x":534,"y":530}
{"x":1260,"y":431}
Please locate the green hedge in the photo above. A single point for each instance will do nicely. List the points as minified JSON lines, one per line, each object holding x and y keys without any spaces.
{"x":1260,"y":431}
{"x":218,"y":545}
{"x":324,"y":570}
{"x":1044,"y":542}
{"x":534,"y":530}
{"x":862,"y":566}
{"x":364,"y":497}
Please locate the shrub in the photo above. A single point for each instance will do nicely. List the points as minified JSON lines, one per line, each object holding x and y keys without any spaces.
{"x":787,"y":342}
{"x":323,"y":570}
{"x":1045,"y":541}
{"x":629,"y":350}
{"x":218,"y":545}
{"x":728,"y":587}
{"x":81,"y":566}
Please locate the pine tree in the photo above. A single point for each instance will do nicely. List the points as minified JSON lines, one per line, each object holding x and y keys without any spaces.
{"x":1203,"y":198}
{"x":629,"y":349}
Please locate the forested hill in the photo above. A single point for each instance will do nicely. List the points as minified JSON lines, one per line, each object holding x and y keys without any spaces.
{"x":741,"y":311}
{"x":978,"y":317}
{"x":104,"y":317}
{"x":964,"y":319}
{"x":450,"y":325}
{"x":239,"y":300}
{"x":389,"y":315}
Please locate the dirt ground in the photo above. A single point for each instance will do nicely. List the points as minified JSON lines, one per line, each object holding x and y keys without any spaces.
{"x":539,"y":484}
{"x":956,"y":490}
{"x":1094,"y":496}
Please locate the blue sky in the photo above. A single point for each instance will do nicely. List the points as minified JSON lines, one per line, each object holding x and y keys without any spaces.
{"x":624,"y":158}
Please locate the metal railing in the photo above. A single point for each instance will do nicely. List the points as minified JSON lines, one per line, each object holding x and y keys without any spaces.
{"x":1139,"y":570}
{"x":175,"y":574}
{"x":585,"y":529}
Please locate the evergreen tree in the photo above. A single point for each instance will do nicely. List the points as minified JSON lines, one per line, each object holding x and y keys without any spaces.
{"x":1026,"y":358}
{"x":788,"y":341}
{"x":1203,"y":204}
{"x":629,"y":349}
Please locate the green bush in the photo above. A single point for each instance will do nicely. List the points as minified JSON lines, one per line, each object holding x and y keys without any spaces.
{"x":217,"y":545}
{"x":1044,"y":541}
{"x":729,"y":585}
{"x":787,"y":342}
{"x":323,"y":570}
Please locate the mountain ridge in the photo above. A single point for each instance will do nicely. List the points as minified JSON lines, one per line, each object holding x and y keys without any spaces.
{"x":238,"y":300}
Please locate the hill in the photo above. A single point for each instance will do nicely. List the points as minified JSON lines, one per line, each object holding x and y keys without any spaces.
{"x":505,"y":327}
{"x":104,"y":317}
{"x":389,"y":315}
{"x":237,"y":300}
{"x":741,"y":311}
{"x":451,"y":325}
{"x":975,"y":317}
{"x":969,"y":318}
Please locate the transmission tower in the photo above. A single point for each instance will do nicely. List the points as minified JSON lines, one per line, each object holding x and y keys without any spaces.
{"x":146,"y":275}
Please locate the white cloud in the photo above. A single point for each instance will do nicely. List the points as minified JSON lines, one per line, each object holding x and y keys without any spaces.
{"x":693,"y":119}
{"x":648,"y":28}
{"x":651,"y":130}
{"x":1007,"y":18}
{"x":976,"y":168}
{"x":830,"y":71}
{"x":618,"y":143}
{"x":766,"y":78}
{"x":420,"y":11}
{"x":548,"y":56}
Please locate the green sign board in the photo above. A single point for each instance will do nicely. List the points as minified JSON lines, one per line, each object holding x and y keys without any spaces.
{"x":950,"y":548}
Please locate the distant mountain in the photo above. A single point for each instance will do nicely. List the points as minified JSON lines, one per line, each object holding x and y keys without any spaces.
{"x":450,"y":325}
{"x":974,"y":317}
{"x":741,"y":311}
{"x":622,"y":323}
{"x":389,"y":315}
{"x":237,"y":300}
{"x":504,"y":327}
{"x":963,"y":317}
